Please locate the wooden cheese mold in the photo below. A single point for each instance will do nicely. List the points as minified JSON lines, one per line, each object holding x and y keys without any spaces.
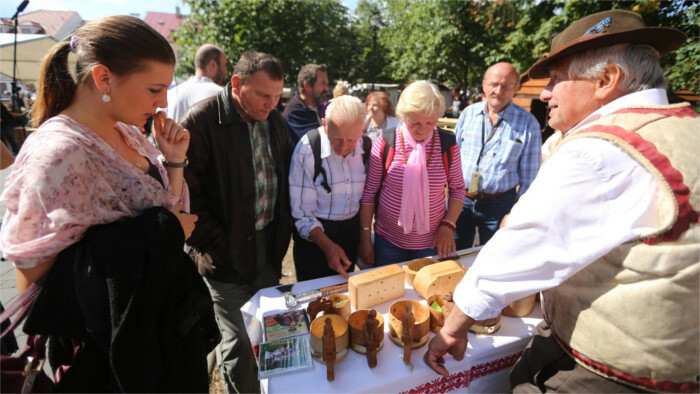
{"x":414,"y":266}
{"x":438,"y":278}
{"x":376,"y":286}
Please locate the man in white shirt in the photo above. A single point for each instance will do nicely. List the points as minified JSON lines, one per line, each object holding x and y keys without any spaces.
{"x":609,"y":229}
{"x":209,"y":76}
{"x":325,"y":201}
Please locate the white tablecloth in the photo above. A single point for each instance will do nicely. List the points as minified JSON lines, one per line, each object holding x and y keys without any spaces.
{"x":484,"y":368}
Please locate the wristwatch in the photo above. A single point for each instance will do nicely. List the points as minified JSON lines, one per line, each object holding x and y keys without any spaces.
{"x":166,"y":163}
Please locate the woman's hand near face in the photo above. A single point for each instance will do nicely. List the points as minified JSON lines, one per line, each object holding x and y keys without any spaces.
{"x":172,"y":139}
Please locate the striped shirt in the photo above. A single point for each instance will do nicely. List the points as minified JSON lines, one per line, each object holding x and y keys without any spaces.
{"x":386,"y":221}
{"x":512,"y":153}
{"x":309,"y":200}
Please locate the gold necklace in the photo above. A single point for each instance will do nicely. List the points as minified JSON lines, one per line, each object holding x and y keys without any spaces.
{"x":430,"y":155}
{"x":116,"y":142}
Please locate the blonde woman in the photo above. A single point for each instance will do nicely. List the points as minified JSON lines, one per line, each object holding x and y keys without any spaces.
{"x":411,"y":219}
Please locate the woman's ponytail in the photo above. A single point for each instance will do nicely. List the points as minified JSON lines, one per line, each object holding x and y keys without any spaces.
{"x":121,"y":43}
{"x":56,"y":86}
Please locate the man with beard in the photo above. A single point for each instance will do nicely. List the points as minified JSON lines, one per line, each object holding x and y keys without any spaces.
{"x":500,"y":146}
{"x":209,"y":76}
{"x":302,"y":111}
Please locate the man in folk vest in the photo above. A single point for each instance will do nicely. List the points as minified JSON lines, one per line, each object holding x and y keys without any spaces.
{"x":609,"y":229}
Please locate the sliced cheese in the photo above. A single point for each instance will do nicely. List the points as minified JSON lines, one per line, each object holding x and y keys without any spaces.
{"x":376,"y":287}
{"x":438,"y":278}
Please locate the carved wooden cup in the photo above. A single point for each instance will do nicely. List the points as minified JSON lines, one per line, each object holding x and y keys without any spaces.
{"x":437,"y":318}
{"x":343,"y":302}
{"x":357,"y":330}
{"x":342,"y":337}
{"x":421,"y":327}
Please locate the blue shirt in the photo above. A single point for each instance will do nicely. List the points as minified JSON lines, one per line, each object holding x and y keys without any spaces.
{"x":512,"y":152}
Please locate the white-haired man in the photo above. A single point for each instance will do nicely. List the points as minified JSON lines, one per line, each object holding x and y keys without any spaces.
{"x":326,"y":180}
{"x":609,"y":229}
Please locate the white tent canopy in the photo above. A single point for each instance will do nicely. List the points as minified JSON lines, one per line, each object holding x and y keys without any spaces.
{"x":31,"y":49}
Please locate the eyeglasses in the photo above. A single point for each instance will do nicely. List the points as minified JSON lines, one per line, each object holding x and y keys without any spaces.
{"x":505,"y":87}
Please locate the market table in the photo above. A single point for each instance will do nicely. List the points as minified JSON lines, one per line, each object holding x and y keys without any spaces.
{"x":484,"y":368}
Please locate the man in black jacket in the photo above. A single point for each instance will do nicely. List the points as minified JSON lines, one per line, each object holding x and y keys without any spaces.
{"x":239,"y":162}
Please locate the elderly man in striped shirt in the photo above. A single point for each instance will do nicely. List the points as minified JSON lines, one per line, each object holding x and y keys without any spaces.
{"x":500,"y":145}
{"x":325,"y":199}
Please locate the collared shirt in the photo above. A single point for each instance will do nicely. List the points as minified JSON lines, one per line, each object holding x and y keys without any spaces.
{"x":309,"y":200}
{"x":511,"y":149}
{"x":181,"y":97}
{"x":265,"y":174}
{"x":589,"y":198}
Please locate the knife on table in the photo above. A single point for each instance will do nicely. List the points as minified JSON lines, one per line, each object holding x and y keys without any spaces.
{"x":459,"y":254}
{"x":291,"y":299}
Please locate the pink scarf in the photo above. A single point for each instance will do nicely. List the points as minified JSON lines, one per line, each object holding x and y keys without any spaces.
{"x":414,"y":213}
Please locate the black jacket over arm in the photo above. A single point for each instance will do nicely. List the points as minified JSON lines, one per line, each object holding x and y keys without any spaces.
{"x":133,"y":298}
{"x":221,"y":180}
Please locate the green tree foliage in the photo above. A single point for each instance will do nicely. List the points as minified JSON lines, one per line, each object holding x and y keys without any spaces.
{"x":296,"y":32}
{"x":454,"y":42}
{"x":369,"y":65}
{"x":447,"y":41}
{"x":451,"y":42}
{"x":540,"y":22}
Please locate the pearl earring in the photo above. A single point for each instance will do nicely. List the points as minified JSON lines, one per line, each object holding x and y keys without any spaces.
{"x":106,"y":98}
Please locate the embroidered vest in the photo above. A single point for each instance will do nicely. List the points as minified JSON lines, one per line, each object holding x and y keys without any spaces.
{"x":633,"y":315}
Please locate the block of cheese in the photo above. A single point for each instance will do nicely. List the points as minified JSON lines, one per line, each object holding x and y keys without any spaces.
{"x":376,"y":286}
{"x":438,"y":278}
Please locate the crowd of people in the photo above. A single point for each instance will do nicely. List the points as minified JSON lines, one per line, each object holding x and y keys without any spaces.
{"x":609,"y":216}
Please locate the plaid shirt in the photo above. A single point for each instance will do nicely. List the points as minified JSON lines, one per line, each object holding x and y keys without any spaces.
{"x":309,"y":200}
{"x":512,"y":152}
{"x":265,"y":175}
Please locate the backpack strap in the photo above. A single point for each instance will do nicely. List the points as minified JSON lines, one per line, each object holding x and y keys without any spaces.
{"x":447,"y":141}
{"x":387,"y":152}
{"x":366,"y":149}
{"x":315,"y":142}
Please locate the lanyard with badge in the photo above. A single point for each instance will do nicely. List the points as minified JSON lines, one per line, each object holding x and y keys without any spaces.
{"x":475,"y":182}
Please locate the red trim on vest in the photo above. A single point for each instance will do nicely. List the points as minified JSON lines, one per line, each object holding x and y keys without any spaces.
{"x":686,"y":214}
{"x":680,"y":112}
{"x":686,"y":387}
